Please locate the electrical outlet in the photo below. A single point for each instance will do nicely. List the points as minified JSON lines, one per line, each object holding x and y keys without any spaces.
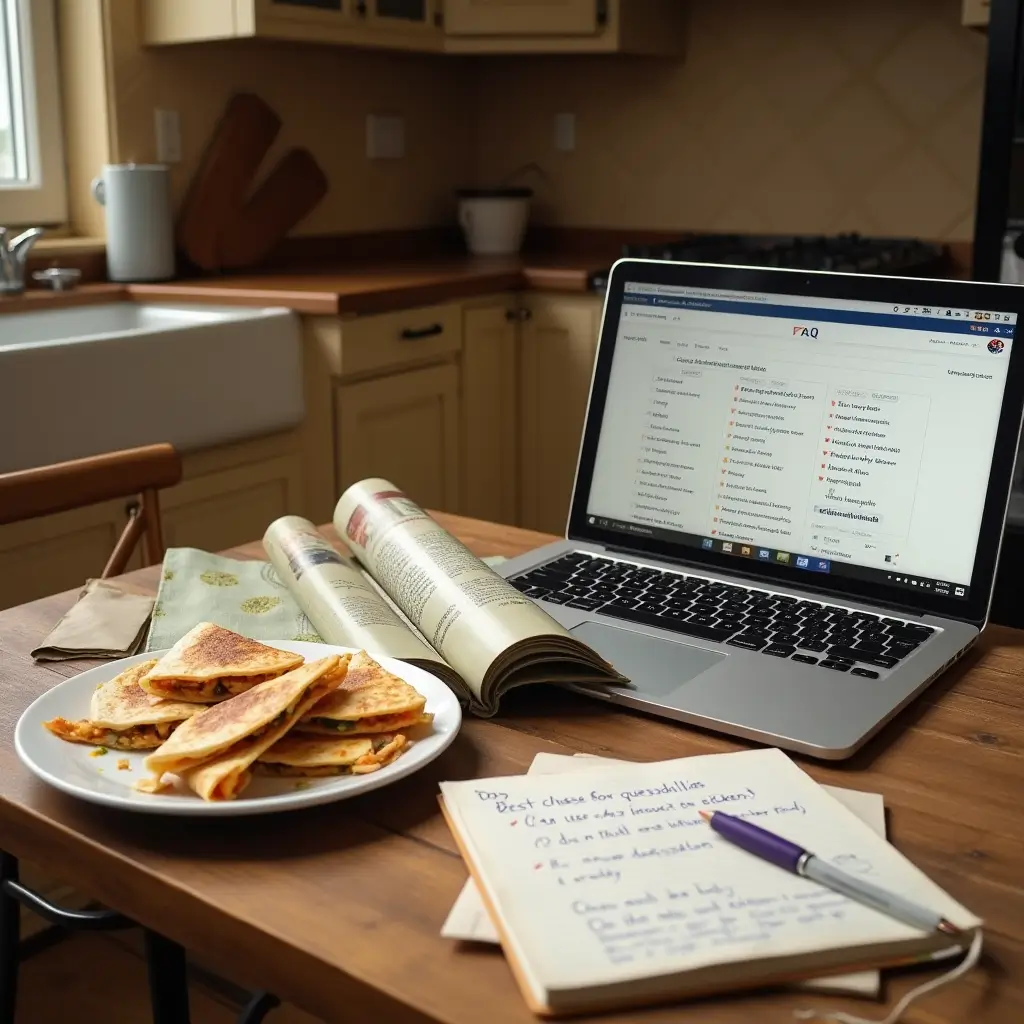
{"x":565,"y":132}
{"x":168,"y":136}
{"x":385,"y":136}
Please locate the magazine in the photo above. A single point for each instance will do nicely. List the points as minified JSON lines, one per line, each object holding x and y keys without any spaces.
{"x":413,"y":591}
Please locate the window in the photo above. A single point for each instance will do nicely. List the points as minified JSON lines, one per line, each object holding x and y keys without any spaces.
{"x":32,"y":188}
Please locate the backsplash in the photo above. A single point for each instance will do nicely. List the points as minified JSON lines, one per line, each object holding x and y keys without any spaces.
{"x":322,"y":95}
{"x":784,"y":116}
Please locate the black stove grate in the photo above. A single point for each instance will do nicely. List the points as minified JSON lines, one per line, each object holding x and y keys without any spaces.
{"x":850,"y":253}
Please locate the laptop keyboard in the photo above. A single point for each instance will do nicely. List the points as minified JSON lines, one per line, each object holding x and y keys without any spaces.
{"x":778,"y":625}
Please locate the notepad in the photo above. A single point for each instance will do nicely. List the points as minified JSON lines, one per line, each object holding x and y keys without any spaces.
{"x":609,"y":890}
{"x":469,"y":921}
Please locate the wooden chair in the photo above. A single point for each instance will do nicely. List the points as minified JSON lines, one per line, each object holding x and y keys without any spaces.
{"x":134,"y":472}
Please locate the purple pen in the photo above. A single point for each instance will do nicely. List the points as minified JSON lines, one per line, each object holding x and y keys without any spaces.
{"x":798,"y":861}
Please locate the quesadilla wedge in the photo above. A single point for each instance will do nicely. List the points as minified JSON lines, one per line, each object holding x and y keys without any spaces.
{"x":214,"y":752}
{"x":370,"y":700}
{"x":210,"y":664}
{"x":123,"y":716}
{"x":321,"y":756}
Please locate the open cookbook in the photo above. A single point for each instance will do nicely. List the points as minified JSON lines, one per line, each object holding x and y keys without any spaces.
{"x":414,"y":592}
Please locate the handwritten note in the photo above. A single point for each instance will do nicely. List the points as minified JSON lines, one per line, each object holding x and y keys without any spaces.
{"x":470,"y":922}
{"x":612,"y":874}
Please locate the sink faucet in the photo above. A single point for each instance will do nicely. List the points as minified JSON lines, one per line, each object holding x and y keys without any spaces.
{"x":13,"y":257}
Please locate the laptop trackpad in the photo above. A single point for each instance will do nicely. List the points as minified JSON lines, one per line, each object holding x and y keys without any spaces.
{"x":654,"y":665}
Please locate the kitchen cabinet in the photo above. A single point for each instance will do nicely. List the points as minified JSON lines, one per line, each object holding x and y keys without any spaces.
{"x":55,"y":553}
{"x":490,"y":410}
{"x":975,"y":13}
{"x":558,"y":343}
{"x":403,"y":427}
{"x":564,"y":26}
{"x":234,"y":506}
{"x":393,"y":24}
{"x":228,"y":496}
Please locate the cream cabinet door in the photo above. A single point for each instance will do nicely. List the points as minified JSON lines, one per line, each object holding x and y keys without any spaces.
{"x":231,"y":507}
{"x":520,"y":17}
{"x":490,"y":413}
{"x":405,"y":428}
{"x":54,"y":553}
{"x":558,"y":343}
{"x":976,"y":13}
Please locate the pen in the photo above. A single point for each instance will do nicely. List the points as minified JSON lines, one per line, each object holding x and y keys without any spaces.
{"x":799,"y":861}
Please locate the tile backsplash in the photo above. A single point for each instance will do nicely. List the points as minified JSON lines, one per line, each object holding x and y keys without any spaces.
{"x":322,"y":95}
{"x":785,"y":115}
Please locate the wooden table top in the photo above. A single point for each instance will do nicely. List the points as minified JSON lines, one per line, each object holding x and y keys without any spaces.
{"x":338,"y":908}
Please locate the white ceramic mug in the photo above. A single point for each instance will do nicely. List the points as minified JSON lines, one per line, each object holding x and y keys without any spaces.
{"x":140,"y":229}
{"x":494,"y":220}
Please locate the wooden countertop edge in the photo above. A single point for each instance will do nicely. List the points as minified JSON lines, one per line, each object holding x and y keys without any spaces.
{"x":380,"y":298}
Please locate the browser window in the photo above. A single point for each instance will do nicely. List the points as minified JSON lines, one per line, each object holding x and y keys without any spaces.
{"x":833,"y":436}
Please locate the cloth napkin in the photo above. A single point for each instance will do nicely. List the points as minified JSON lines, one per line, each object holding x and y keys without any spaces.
{"x":105,"y":622}
{"x":247,"y":597}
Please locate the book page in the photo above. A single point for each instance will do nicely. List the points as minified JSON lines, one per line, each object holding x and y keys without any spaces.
{"x":469,"y":921}
{"x":340,"y":601}
{"x":467,"y":612}
{"x":611,"y":875}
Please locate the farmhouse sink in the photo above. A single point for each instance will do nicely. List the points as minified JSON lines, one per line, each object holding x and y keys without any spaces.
{"x":91,"y":379}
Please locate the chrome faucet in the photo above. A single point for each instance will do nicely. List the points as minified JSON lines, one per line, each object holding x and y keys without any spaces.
{"x":13,"y":257}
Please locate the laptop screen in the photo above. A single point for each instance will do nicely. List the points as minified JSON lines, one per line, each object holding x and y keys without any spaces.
{"x":831,"y":436}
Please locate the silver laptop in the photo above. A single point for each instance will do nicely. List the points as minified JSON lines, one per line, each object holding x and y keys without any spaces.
{"x":790,"y":494}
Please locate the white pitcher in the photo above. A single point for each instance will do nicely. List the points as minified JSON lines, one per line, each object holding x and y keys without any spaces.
{"x":140,"y":228}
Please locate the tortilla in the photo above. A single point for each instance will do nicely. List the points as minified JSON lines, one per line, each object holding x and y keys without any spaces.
{"x":123,"y":716}
{"x":371,"y":700}
{"x":214,"y":752}
{"x":315,"y":757}
{"x":210,"y":664}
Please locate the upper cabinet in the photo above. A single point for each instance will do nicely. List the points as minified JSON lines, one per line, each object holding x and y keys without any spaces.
{"x":564,"y":26}
{"x":395,"y":24}
{"x":452,"y":26}
{"x":524,"y":17}
{"x":976,"y":13}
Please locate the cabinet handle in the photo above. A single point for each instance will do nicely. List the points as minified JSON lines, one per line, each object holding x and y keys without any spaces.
{"x":361,"y":8}
{"x":414,"y":334}
{"x":518,"y":315}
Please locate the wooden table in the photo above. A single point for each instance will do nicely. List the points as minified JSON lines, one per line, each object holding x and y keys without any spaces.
{"x":338,"y":908}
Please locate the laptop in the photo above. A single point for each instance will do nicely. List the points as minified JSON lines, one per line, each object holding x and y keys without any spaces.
{"x":790,"y":494}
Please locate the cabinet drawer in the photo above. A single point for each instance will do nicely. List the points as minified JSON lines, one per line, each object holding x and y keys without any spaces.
{"x":373,"y":343}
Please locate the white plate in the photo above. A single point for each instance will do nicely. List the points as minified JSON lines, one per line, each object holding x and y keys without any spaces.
{"x":68,"y":766}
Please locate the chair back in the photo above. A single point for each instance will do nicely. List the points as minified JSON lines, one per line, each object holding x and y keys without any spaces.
{"x":134,"y":472}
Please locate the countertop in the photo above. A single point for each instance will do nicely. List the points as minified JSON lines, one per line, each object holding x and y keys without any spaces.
{"x":346,"y":290}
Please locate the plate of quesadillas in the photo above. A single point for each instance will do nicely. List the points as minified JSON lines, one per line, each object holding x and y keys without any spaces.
{"x":103,"y":737}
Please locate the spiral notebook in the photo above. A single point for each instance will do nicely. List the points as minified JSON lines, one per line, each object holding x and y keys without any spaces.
{"x":608,"y":890}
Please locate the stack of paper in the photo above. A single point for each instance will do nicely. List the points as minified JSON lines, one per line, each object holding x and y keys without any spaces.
{"x":606,"y":888}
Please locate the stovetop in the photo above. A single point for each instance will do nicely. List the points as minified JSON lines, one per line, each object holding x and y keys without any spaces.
{"x":851,"y":253}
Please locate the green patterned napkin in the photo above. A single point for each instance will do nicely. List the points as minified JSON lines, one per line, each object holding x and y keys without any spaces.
{"x":247,"y":597}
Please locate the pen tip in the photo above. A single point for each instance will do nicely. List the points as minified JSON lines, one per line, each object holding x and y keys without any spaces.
{"x":706,"y":815}
{"x":948,"y":928}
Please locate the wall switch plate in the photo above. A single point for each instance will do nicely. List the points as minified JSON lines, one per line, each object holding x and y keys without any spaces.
{"x":565,"y":132}
{"x":168,"y":136}
{"x":385,"y":136}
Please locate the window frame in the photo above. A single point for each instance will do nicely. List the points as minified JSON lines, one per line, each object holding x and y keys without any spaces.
{"x":44,"y":199}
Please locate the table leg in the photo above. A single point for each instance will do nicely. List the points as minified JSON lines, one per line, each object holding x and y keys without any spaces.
{"x":10,"y":934}
{"x":168,"y":980}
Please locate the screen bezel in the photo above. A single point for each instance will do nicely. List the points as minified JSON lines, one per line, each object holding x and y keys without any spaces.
{"x":819,"y":284}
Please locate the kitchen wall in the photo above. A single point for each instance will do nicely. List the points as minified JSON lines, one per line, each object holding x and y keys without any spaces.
{"x":322,"y":95}
{"x":786,"y":115}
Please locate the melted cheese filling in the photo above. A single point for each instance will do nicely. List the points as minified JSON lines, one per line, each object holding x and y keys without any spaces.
{"x":138,"y":737}
{"x":207,"y":689}
{"x":381,"y":722}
